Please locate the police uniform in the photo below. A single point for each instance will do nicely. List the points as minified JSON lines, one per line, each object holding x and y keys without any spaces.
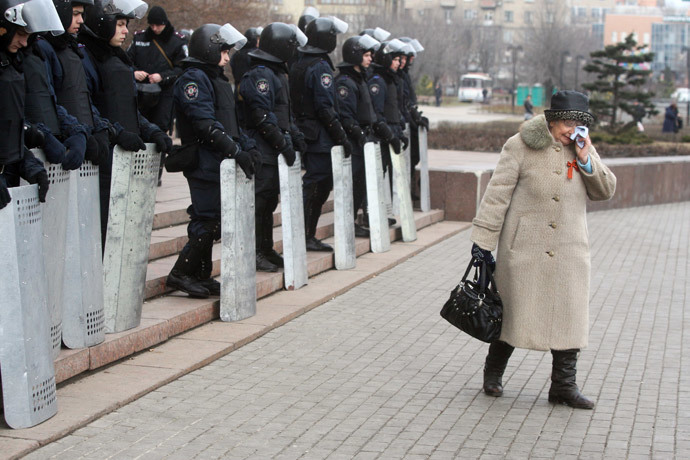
{"x":385,"y":98}
{"x":240,"y":63}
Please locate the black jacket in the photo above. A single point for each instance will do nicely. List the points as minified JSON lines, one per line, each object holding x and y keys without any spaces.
{"x":146,"y":56}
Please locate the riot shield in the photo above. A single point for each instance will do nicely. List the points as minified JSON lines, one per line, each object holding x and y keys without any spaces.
{"x":82,"y":323}
{"x":292,"y":208}
{"x":130,"y":221}
{"x":424,"y":188}
{"x":376,"y":198}
{"x":238,"y":243}
{"x":28,"y":374}
{"x":401,"y":177}
{"x":343,"y":210}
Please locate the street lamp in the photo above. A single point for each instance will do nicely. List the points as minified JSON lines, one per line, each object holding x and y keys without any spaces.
{"x":514,"y":52}
{"x":578,"y":59}
{"x":565,"y":56}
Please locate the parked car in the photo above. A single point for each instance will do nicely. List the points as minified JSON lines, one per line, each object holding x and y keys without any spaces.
{"x":681,"y":95}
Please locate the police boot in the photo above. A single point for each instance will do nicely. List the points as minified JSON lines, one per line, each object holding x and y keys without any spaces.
{"x":272,"y":256}
{"x":361,"y":232}
{"x":563,"y":387}
{"x":183,"y":275}
{"x":263,"y":264}
{"x":495,"y":365}
{"x":204,"y":274}
{"x":312,"y":212}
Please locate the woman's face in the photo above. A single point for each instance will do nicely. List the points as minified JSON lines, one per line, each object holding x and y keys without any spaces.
{"x":395,"y":63}
{"x":224,"y":58}
{"x":120,"y":33}
{"x":562,"y":129}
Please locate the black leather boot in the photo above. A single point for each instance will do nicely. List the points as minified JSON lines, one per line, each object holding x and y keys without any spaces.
{"x":263,"y":264}
{"x":273,"y":257}
{"x":204,"y":273}
{"x":495,"y":365}
{"x":563,"y":387}
{"x":184,"y":274}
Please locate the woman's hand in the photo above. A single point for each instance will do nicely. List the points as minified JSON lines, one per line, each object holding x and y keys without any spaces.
{"x":140,"y":75}
{"x":583,"y":153}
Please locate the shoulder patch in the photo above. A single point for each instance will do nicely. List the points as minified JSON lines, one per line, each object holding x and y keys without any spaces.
{"x":374,"y":89}
{"x":343,"y":92}
{"x":179,"y":35}
{"x":185,"y":50}
{"x":326,"y":80}
{"x":262,"y":86}
{"x":191,"y":91}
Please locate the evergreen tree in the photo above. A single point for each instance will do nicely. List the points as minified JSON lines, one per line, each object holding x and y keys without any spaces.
{"x":619,"y":80}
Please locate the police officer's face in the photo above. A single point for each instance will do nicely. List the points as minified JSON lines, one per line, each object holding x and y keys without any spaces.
{"x":19,"y":41}
{"x":403,"y":61}
{"x":77,"y":19}
{"x":395,"y":64}
{"x":157,"y":28}
{"x":120,"y":33}
{"x":366,"y":59}
{"x":224,"y":58}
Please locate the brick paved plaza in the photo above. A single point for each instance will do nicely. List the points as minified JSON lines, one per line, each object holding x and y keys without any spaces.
{"x":376,"y":373}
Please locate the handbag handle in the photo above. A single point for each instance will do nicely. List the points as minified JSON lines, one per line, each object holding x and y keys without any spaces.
{"x":484,"y":268}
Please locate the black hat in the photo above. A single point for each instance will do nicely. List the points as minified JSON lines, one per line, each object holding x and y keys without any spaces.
{"x":569,"y":105}
{"x":157,"y":16}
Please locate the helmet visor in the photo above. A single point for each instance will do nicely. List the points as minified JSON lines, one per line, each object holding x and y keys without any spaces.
{"x":394,"y":46}
{"x":36,"y":16}
{"x":381,"y":34}
{"x":366,"y":42}
{"x":339,"y":25}
{"x":131,"y":8}
{"x":230,"y":36}
{"x":416,"y":45}
{"x":409,"y":49}
{"x":301,"y":38}
{"x":311,"y":11}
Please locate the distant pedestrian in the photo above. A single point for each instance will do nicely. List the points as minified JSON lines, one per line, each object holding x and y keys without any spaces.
{"x":534,"y":211}
{"x":438,"y":92}
{"x":485,"y":96}
{"x":672,"y":121}
{"x":638,"y":114}
{"x":529,"y":108}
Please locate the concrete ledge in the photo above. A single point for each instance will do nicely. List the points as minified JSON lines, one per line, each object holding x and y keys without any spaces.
{"x":93,"y":395}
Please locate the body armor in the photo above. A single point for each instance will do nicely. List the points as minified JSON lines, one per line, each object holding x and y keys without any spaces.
{"x":74,"y":93}
{"x":391,"y":109}
{"x":224,"y":104}
{"x":302,"y":97}
{"x":117,"y":99}
{"x":39,"y":106}
{"x":12,"y":114}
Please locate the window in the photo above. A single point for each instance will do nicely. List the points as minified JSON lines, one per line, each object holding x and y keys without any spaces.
{"x":645,"y":39}
{"x":507,"y":36}
{"x":528,"y":17}
{"x":448,"y":15}
{"x":470,"y":14}
{"x":508,"y":16}
{"x":581,"y":12}
{"x":489,"y":16}
{"x":614,"y":37}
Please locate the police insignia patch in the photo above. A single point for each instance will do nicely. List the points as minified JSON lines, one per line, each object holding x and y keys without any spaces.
{"x":343,"y":92}
{"x":326,"y":80}
{"x":262,"y":86}
{"x":374,"y":89}
{"x":191,"y":91}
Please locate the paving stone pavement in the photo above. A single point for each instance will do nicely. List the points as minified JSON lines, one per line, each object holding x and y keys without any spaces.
{"x":376,"y":373}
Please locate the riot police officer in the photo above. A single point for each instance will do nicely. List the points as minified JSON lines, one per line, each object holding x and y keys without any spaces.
{"x":355,"y":110}
{"x":18,"y":21}
{"x":207,"y":122}
{"x":111,"y":81}
{"x":313,"y":94}
{"x":308,"y":15}
{"x":240,"y":62}
{"x":265,"y":100}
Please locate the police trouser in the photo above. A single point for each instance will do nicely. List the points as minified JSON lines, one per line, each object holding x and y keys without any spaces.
{"x":386,"y":162}
{"x":196,"y":258}
{"x":161,"y":115}
{"x":317,"y":184}
{"x":10,"y":175}
{"x":105,"y":173}
{"x":359,"y":183}
{"x":414,"y":156}
{"x":266,"y":192}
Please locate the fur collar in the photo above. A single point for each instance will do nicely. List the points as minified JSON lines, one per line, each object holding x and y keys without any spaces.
{"x":535,"y":133}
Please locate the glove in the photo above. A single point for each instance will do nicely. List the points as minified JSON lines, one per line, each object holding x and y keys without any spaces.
{"x":289,"y":154}
{"x":348,"y":148}
{"x":33,"y":137}
{"x":482,"y":255}
{"x":256,"y":160}
{"x":129,"y":141}
{"x":98,"y":147}
{"x":40,"y":178}
{"x":424,"y":121}
{"x":244,"y":159}
{"x":405,"y":141}
{"x":53,"y":148}
{"x":76,"y":149}
{"x":5,"y":197}
{"x":395,"y":144}
{"x":162,"y":141}
{"x":299,"y":144}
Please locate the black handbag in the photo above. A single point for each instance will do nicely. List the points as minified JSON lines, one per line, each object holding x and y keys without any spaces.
{"x":182,"y":158}
{"x":475,"y":306}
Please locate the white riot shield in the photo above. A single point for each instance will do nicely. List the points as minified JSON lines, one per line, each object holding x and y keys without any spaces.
{"x":238,"y":243}
{"x":28,"y":374}
{"x":395,"y":195}
{"x":292,"y":208}
{"x":130,"y":220}
{"x":376,"y":198}
{"x":343,"y":210}
{"x":401,"y":177}
{"x":424,"y":188}
{"x":54,"y":217}
{"x":82,"y":322}
{"x":388,"y":193}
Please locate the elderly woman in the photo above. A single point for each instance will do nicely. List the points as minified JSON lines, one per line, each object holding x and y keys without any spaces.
{"x":534,"y":210}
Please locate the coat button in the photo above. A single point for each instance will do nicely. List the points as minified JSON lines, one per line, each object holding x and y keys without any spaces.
{"x":552,"y":225}
{"x":550,"y":253}
{"x":558,"y":172}
{"x":558,"y":149}
{"x":556,"y":198}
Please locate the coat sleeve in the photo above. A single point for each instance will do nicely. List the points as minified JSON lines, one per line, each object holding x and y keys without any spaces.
{"x":487,"y":225}
{"x":601,"y":182}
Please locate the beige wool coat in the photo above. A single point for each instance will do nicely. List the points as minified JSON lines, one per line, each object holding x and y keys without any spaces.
{"x":536,"y":216}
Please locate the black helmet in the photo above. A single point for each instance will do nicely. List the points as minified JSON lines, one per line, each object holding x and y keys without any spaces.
{"x":64,"y":10}
{"x":377,"y":33}
{"x":355,"y":47}
{"x":101,"y":18}
{"x":322,"y":34}
{"x":414,"y":46}
{"x":387,"y":51}
{"x":308,"y":15}
{"x":209,"y":40}
{"x":278,"y":42}
{"x":34,"y":15}
{"x":252,"y":34}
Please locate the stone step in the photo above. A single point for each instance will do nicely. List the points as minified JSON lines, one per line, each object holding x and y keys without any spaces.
{"x":169,"y":315}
